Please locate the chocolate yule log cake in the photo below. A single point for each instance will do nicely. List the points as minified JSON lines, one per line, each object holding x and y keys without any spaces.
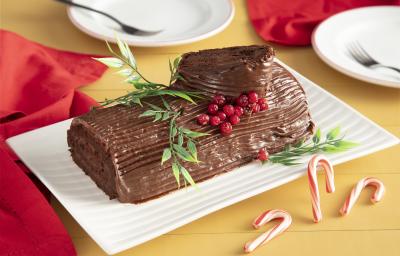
{"x":121,"y":150}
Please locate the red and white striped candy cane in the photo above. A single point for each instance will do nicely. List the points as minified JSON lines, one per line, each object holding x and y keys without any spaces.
{"x":261,"y":220}
{"x":355,"y":193}
{"x":315,"y":161}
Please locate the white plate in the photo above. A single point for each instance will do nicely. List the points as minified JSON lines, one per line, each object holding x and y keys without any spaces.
{"x":182,"y":21}
{"x":377,"y":29}
{"x":116,"y":226}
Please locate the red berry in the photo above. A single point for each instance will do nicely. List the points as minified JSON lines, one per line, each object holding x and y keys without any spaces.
{"x":242,"y":100}
{"x":263,"y":106}
{"x":225,"y":128}
{"x":214,"y":121}
{"x":239,"y":111}
{"x":219,"y":99}
{"x":254,"y":108}
{"x":203,"y":119}
{"x":229,"y":110}
{"x":253,"y":97}
{"x":262,"y":155}
{"x":234,"y":119}
{"x":213,"y":108}
{"x":221,"y":115}
{"x":262,"y":100}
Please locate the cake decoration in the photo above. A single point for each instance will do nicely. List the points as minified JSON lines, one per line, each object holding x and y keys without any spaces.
{"x":226,"y":113}
{"x":126,"y":63}
{"x":356,"y":191}
{"x":204,"y":119}
{"x":332,"y":143}
{"x":264,"y":218}
{"x":178,"y":136}
{"x":263,"y":155}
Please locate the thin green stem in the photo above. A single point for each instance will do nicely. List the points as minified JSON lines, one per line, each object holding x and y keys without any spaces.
{"x":289,"y":156}
{"x":144,"y":88}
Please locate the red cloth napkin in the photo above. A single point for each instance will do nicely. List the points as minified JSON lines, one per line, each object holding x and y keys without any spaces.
{"x":292,"y":22}
{"x":37,"y":88}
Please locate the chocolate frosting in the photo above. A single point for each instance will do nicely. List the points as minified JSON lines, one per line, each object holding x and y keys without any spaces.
{"x":229,"y":71}
{"x":121,"y":152}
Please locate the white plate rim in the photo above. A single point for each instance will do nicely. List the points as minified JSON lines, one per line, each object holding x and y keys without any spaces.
{"x":342,"y":69}
{"x":282,"y":180}
{"x":130,"y":42}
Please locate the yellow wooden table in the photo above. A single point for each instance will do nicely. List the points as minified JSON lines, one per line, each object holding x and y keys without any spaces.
{"x":369,"y":230}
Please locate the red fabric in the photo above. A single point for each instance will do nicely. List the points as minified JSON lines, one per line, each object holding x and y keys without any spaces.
{"x":292,"y":22}
{"x":37,"y":88}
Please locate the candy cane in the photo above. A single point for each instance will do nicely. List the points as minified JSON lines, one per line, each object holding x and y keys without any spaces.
{"x":355,"y":193}
{"x":315,"y":161}
{"x":261,"y":220}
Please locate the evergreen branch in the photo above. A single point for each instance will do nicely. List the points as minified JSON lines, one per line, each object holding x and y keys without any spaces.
{"x":182,"y":144}
{"x":331,"y":144}
{"x":126,"y":63}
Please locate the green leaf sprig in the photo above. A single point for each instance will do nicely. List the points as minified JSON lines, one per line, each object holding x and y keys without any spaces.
{"x":331,"y":144}
{"x":182,"y":141}
{"x":126,"y":63}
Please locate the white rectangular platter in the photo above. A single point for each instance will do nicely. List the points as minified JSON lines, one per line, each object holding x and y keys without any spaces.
{"x":117,"y":227}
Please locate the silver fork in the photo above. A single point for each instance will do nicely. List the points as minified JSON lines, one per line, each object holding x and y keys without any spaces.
{"x":357,"y":52}
{"x":126,"y":28}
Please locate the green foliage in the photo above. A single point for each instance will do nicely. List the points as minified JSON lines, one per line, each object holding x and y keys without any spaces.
{"x":332,"y":144}
{"x":178,"y":151}
{"x":181,"y":151}
{"x":317,"y":136}
{"x":126,"y":63}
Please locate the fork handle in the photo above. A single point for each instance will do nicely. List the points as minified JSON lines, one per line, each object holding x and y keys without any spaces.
{"x":388,"y":67}
{"x":69,"y":2}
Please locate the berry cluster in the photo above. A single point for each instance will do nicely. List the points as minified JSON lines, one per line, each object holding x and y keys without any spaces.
{"x":224,"y":113}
